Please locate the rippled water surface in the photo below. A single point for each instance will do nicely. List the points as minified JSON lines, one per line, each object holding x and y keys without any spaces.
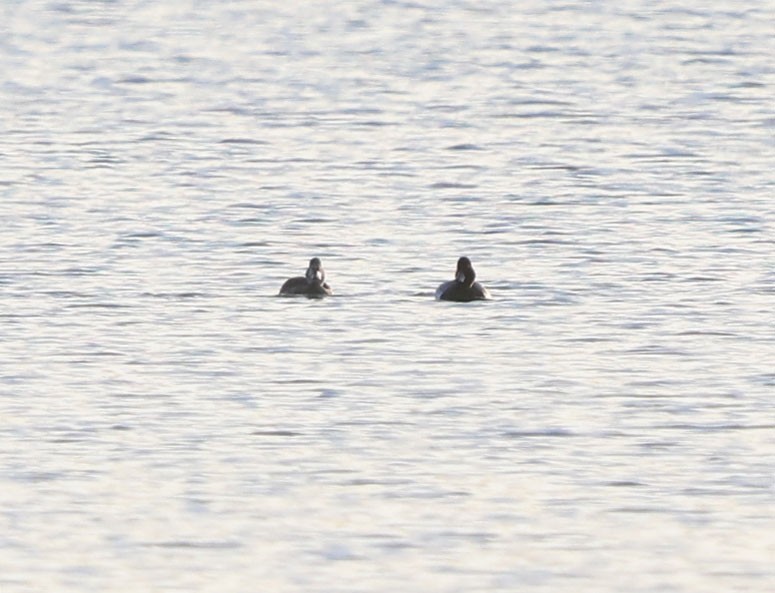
{"x":606,"y":423}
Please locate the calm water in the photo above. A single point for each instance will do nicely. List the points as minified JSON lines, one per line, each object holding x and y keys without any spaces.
{"x":607,"y":423}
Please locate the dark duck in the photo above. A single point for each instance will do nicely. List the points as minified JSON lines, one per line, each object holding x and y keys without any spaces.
{"x":464,"y":288}
{"x":312,"y":284}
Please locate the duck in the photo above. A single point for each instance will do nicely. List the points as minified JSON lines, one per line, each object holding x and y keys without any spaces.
{"x":464,"y":287}
{"x":312,"y":284}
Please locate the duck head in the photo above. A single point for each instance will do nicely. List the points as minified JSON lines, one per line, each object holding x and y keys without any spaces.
{"x":315,"y":273}
{"x":465,"y":274}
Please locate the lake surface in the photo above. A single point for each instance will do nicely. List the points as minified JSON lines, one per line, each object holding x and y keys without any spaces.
{"x":605,"y":423}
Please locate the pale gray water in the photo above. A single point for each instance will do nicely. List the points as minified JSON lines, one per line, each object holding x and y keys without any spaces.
{"x":605,"y":424}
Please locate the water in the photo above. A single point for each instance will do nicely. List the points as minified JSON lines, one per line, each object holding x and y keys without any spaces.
{"x":605,"y":423}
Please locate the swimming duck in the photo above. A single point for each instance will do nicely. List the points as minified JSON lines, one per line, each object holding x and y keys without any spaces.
{"x":464,"y":287}
{"x":312,"y":284}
